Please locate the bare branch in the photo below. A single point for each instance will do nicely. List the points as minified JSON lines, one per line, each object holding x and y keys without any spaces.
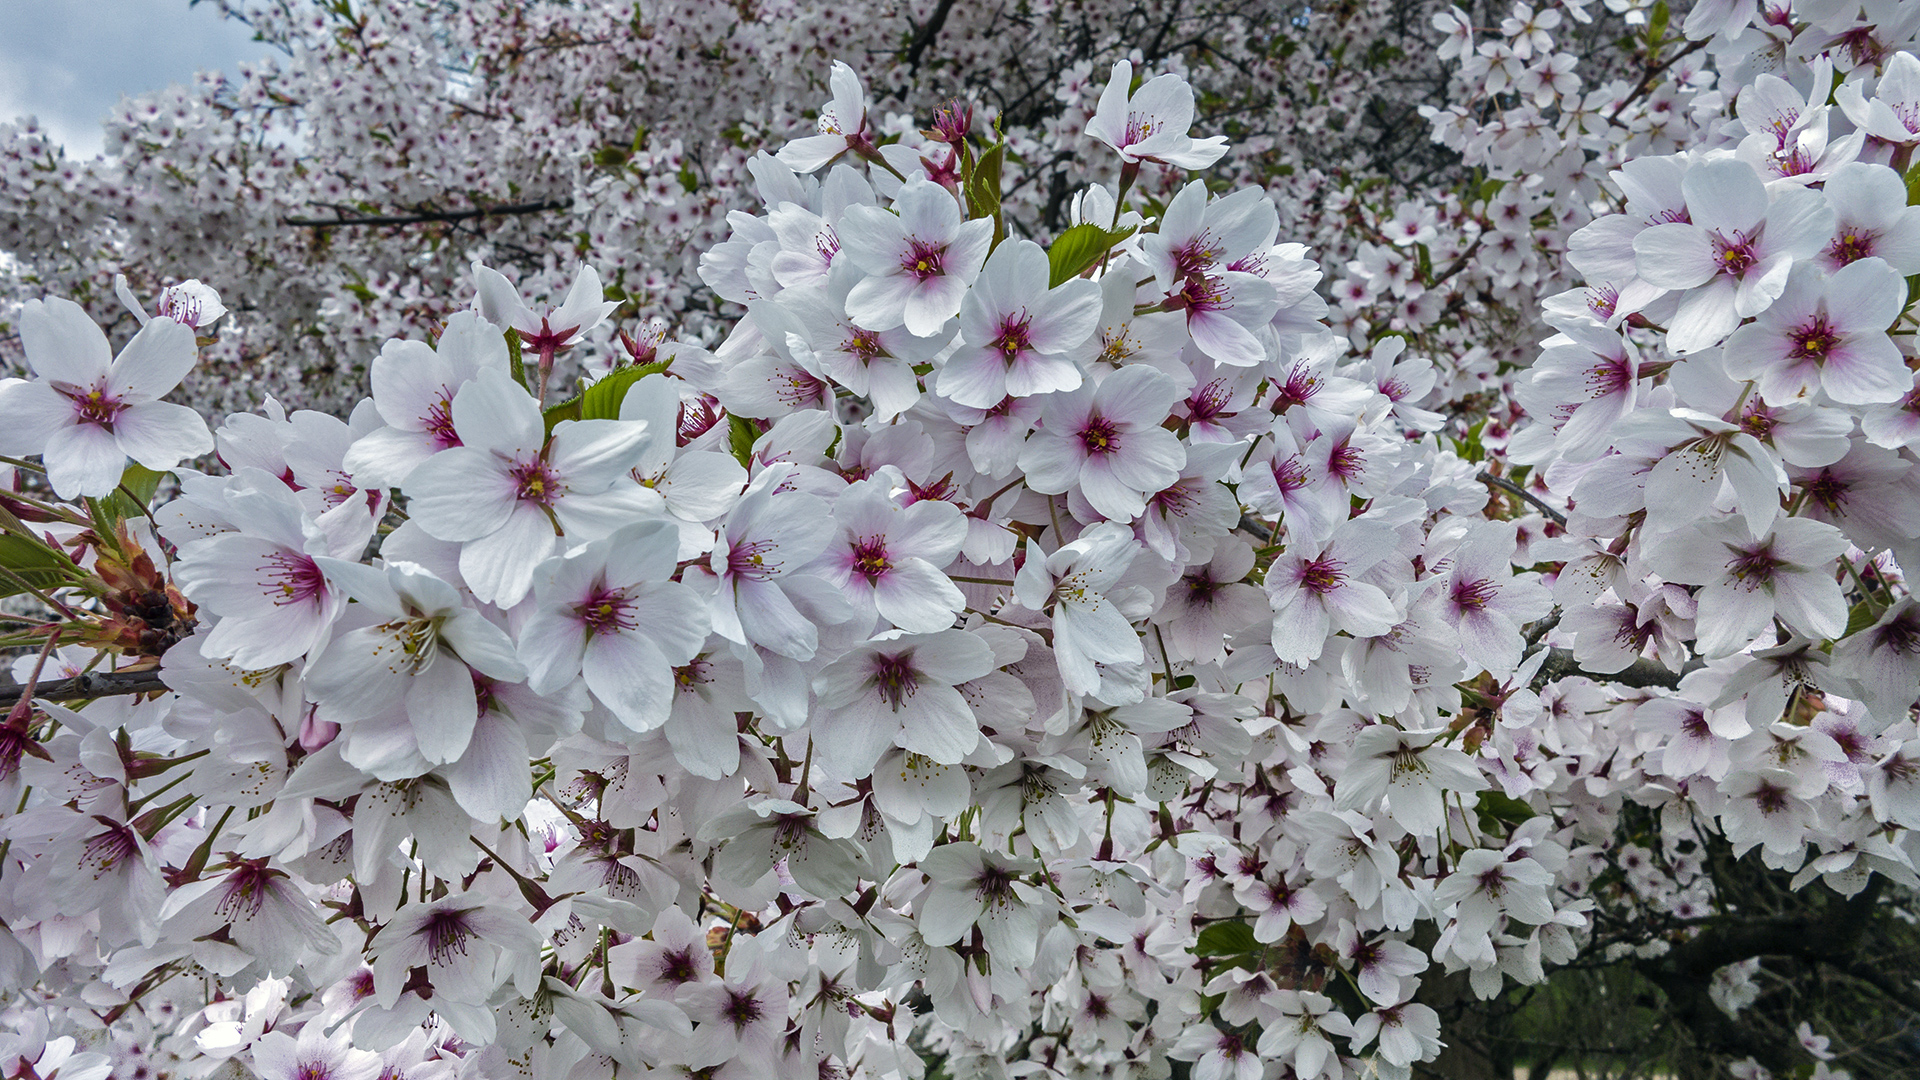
{"x":86,"y":687}
{"x":426,"y":216}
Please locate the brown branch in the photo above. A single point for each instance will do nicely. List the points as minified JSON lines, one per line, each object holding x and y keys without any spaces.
{"x":426,"y":216}
{"x":87,"y":686}
{"x":1512,"y":488}
{"x":1639,"y":674}
{"x":927,"y":32}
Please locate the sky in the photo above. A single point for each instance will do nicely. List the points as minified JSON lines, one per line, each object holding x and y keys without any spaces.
{"x":69,"y":61}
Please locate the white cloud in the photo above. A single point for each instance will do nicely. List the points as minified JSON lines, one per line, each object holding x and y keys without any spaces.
{"x":68,"y":62}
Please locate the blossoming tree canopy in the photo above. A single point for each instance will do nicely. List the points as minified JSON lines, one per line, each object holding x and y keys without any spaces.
{"x":1083,"y":648}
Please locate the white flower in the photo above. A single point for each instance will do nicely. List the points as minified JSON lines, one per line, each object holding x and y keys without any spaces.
{"x":898,"y":689}
{"x":89,"y":411}
{"x":506,"y":490}
{"x":1017,"y":336}
{"x":1152,"y":123}
{"x":1407,"y":769}
{"x":920,"y":257}
{"x":421,"y":649}
{"x":1108,"y":442}
{"x":608,"y":614}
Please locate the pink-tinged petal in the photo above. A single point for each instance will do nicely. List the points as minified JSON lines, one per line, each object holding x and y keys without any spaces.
{"x":592,"y":454}
{"x":1867,"y":370}
{"x":551,"y":646}
{"x":442,"y":709}
{"x":410,"y":380}
{"x":769,"y":619}
{"x":936,"y":722}
{"x":1811,"y":604}
{"x":1732,"y":615}
{"x":630,"y":675}
{"x":850,"y":739}
{"x":1052,"y":462}
{"x":931,"y":530}
{"x":34,"y":412}
{"x":1149,"y":460}
{"x":1762,"y":285}
{"x":490,"y":781}
{"x":671,"y":616}
{"x":485,"y":647}
{"x":927,"y":211}
{"x":499,"y":302}
{"x":461,"y":494}
{"x":498,"y":567}
{"x":1036,"y":373}
{"x":1866,"y":296}
{"x":915,"y":597}
{"x":1300,"y":630}
{"x":1068,"y":316}
{"x":1137,"y":394}
{"x":387,"y":457}
{"x":1799,"y":223}
{"x":62,"y":343}
{"x":1220,"y":337}
{"x":154,"y":362}
{"x":160,"y":434}
{"x":967,"y":253}
{"x":1107,"y":493}
{"x":973,"y":377}
{"x":1725,"y":196}
{"x":83,"y":459}
{"x":356,"y":676}
{"x":953,"y":657}
{"x":880,"y":303}
{"x":931,"y":303}
{"x":1675,"y":255}
{"x":1706,"y":316}
{"x":1361,"y":609}
{"x":495,"y":413}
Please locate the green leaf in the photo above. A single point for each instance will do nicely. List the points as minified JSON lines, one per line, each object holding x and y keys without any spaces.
{"x":1078,"y":248}
{"x":602,"y":400}
{"x":1861,"y":617}
{"x":1657,"y":26}
{"x":1425,"y":258}
{"x":1225,"y":939}
{"x":1913,"y":186}
{"x":741,"y":435}
{"x":514,"y":364}
{"x":983,"y":189}
{"x":1495,"y":809}
{"x":32,"y":562}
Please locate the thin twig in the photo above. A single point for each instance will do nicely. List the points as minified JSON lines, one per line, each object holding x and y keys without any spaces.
{"x":1512,"y":488}
{"x":424,"y":217}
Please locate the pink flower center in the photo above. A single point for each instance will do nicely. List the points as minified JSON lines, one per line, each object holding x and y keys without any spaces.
{"x":1289,"y":474}
{"x":864,"y":344}
{"x":1602,"y":300}
{"x":1736,"y":256}
{"x":1852,"y":245}
{"x":870,"y":557}
{"x":1100,"y":436}
{"x":696,"y":419}
{"x":895,"y":678}
{"x":439,"y":420}
{"x":95,"y":406}
{"x":924,"y":260}
{"x":1474,"y":595}
{"x":752,"y":560}
{"x":1323,"y":575}
{"x":1814,"y":340}
{"x":697,"y":673}
{"x":1757,"y":564}
{"x":1139,"y":128}
{"x":291,"y":579}
{"x":606,"y":611}
{"x":535,"y":483}
{"x":446,"y":933}
{"x":1014,"y":337}
{"x":1209,"y":401}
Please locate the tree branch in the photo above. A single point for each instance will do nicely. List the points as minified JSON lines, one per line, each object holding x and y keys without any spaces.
{"x":1512,"y":488}
{"x":426,"y":216}
{"x":86,"y":687}
{"x":927,"y":32}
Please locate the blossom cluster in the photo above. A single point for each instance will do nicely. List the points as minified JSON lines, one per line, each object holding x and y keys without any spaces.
{"x":1097,"y":654}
